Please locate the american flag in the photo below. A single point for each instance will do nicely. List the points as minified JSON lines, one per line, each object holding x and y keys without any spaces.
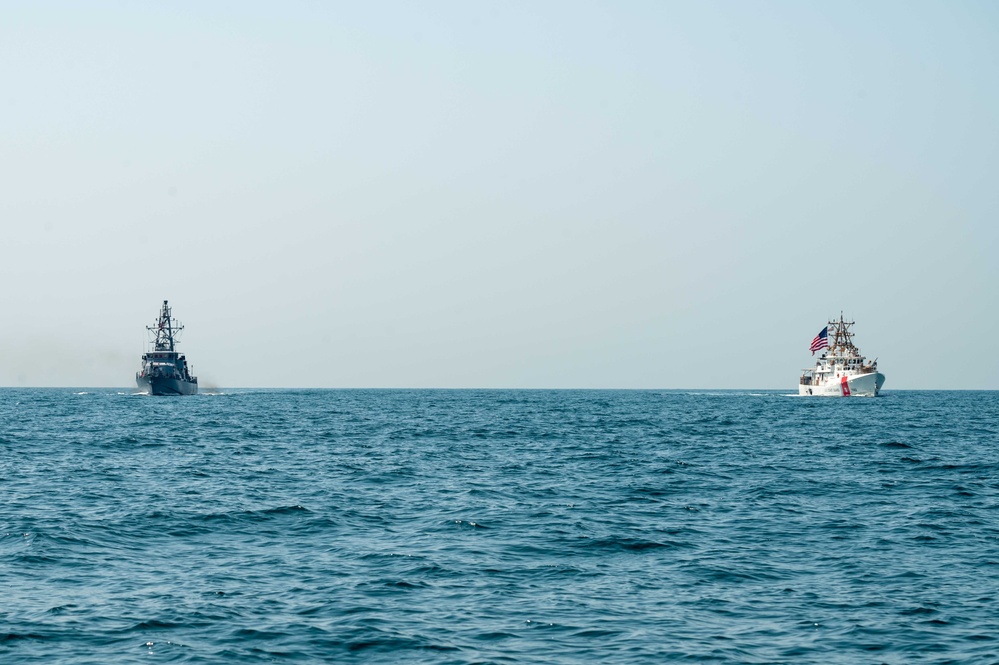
{"x":821,"y":341}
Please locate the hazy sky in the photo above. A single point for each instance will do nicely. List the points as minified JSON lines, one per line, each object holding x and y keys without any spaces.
{"x":499,"y":194}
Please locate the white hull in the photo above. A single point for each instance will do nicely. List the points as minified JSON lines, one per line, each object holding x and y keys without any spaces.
{"x":847,"y":385}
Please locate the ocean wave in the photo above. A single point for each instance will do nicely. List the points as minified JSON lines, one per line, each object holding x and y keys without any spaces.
{"x":498,"y":526}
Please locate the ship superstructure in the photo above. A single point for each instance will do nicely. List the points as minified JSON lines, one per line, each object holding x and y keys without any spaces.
{"x":164,"y":369}
{"x":841,"y":370}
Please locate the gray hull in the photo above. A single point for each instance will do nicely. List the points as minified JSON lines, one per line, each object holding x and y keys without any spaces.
{"x":164,"y":386}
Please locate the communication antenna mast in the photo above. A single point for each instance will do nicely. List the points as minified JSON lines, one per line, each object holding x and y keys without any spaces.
{"x":842,"y":338}
{"x":166,"y":330}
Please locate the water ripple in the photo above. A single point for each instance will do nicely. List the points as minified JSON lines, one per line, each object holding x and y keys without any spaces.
{"x":498,"y":527}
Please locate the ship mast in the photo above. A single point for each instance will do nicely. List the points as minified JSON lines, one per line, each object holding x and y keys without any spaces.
{"x":165,"y":330}
{"x":842,"y":338}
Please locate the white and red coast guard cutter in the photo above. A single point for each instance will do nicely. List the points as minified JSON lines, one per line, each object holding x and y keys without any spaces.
{"x":841,"y":370}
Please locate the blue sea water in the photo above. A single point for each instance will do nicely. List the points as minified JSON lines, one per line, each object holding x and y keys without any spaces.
{"x":434,"y":526}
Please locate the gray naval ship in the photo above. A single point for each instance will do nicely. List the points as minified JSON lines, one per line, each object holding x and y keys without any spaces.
{"x":164,"y":370}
